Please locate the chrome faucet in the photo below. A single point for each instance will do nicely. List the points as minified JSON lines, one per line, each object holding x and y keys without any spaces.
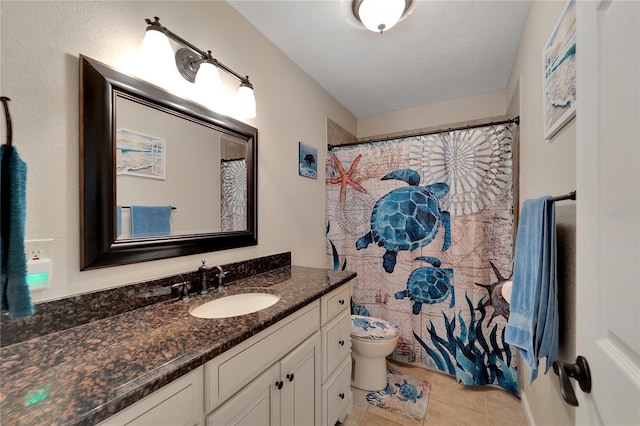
{"x":219,"y":276}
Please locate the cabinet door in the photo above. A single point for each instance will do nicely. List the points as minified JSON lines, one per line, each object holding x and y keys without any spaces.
{"x":258,"y":403}
{"x":179,"y":403}
{"x":300,"y":372}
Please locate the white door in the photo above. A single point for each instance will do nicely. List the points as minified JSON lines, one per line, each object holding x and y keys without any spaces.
{"x":608,"y":210}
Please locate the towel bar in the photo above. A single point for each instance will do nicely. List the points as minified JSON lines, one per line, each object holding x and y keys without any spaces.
{"x":569,"y":196}
{"x":128,"y":207}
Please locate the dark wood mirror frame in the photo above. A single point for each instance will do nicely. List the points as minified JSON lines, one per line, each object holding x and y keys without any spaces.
{"x":99,"y":85}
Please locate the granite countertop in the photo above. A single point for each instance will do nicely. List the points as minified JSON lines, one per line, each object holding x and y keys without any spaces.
{"x":87,"y":373}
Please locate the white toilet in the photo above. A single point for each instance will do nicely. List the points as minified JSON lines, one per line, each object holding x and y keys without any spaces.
{"x":372,"y":339}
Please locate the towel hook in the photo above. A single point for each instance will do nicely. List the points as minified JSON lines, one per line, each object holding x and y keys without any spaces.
{"x":5,"y":103}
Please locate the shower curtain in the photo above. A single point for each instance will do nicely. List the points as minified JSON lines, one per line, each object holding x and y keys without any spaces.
{"x":427,"y":224}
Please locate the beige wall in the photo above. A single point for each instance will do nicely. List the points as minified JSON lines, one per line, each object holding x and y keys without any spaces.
{"x":546,"y":167}
{"x":40,"y":43}
{"x":463,"y":110}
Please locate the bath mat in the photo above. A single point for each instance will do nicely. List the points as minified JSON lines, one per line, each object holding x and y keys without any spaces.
{"x":404,"y":395}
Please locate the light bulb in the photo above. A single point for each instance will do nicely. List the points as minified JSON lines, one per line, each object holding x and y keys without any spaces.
{"x":380,"y":15}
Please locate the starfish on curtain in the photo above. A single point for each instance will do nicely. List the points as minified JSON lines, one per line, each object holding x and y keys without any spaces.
{"x":345,"y":178}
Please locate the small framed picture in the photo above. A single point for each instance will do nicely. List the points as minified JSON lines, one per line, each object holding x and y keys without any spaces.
{"x":559,"y":78}
{"x":308,"y":161}
{"x":138,"y":154}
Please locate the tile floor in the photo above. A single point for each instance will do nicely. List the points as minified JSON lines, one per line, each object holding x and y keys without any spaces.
{"x":450,"y":403}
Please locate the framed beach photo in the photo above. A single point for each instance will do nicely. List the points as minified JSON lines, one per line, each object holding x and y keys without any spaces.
{"x":308,"y":161}
{"x":559,"y":77}
{"x":138,"y":154}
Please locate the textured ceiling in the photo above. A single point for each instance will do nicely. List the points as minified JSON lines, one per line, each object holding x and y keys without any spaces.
{"x":443,"y":50}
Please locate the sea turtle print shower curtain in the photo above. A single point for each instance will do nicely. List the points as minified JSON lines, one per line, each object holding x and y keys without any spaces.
{"x":427,"y":224}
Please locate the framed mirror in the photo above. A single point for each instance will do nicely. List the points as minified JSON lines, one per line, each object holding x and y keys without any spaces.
{"x":160,"y":176}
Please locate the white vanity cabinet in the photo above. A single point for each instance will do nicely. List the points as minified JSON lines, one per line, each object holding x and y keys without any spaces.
{"x":336,"y":354}
{"x":179,"y":403}
{"x":272,"y":378}
{"x":296,"y":372}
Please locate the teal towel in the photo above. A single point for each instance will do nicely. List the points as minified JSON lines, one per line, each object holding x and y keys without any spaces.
{"x":14,"y":290}
{"x":150,"y":221}
{"x":533,"y":322}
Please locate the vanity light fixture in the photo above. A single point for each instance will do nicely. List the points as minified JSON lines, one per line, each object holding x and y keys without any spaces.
{"x":195,"y":66}
{"x":380,"y":15}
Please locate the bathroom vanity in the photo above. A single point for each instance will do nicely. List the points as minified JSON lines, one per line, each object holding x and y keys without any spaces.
{"x":285,"y":364}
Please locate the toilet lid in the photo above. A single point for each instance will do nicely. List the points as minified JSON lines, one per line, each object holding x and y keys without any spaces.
{"x":373,"y":328}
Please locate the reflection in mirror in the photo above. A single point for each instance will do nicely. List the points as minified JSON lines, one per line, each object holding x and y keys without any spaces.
{"x":160,"y":176}
{"x":182,"y":177}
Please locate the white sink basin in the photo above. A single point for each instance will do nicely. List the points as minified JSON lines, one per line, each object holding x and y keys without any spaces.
{"x":235,"y":305}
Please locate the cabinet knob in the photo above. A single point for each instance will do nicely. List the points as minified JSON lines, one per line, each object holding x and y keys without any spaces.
{"x":290,"y":377}
{"x":341,"y":301}
{"x":341,"y":342}
{"x":341,"y":396}
{"x":279,"y":384}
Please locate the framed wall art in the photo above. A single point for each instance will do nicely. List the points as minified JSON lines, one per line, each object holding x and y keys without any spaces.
{"x":140,"y":155}
{"x":308,"y":161}
{"x":559,"y":78}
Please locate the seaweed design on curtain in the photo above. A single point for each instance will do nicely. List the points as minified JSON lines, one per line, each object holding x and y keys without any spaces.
{"x":233,"y":195}
{"x":445,"y":200}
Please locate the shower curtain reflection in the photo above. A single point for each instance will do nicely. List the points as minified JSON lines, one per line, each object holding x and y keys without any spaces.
{"x":427,"y":223}
{"x":233,"y":195}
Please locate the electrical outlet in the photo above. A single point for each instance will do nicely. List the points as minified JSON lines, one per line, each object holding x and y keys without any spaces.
{"x":38,"y":249}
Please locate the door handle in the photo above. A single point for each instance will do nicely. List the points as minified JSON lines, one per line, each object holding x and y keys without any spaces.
{"x":579,"y":371}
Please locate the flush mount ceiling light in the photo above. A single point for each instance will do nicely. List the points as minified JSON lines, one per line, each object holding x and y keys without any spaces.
{"x":194,"y":65}
{"x":380,"y":15}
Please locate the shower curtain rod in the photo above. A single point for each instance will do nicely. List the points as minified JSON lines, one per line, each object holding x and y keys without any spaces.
{"x":432,"y":132}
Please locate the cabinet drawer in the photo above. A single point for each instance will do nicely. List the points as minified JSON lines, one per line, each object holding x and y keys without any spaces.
{"x":337,"y":395}
{"x":226,"y":374}
{"x":336,"y":343}
{"x":335,"y":302}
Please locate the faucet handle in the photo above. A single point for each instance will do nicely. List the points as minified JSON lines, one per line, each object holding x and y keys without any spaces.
{"x":183,"y":288}
{"x":221,"y":272}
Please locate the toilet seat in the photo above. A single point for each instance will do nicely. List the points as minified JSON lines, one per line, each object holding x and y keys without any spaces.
{"x":370,"y":328}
